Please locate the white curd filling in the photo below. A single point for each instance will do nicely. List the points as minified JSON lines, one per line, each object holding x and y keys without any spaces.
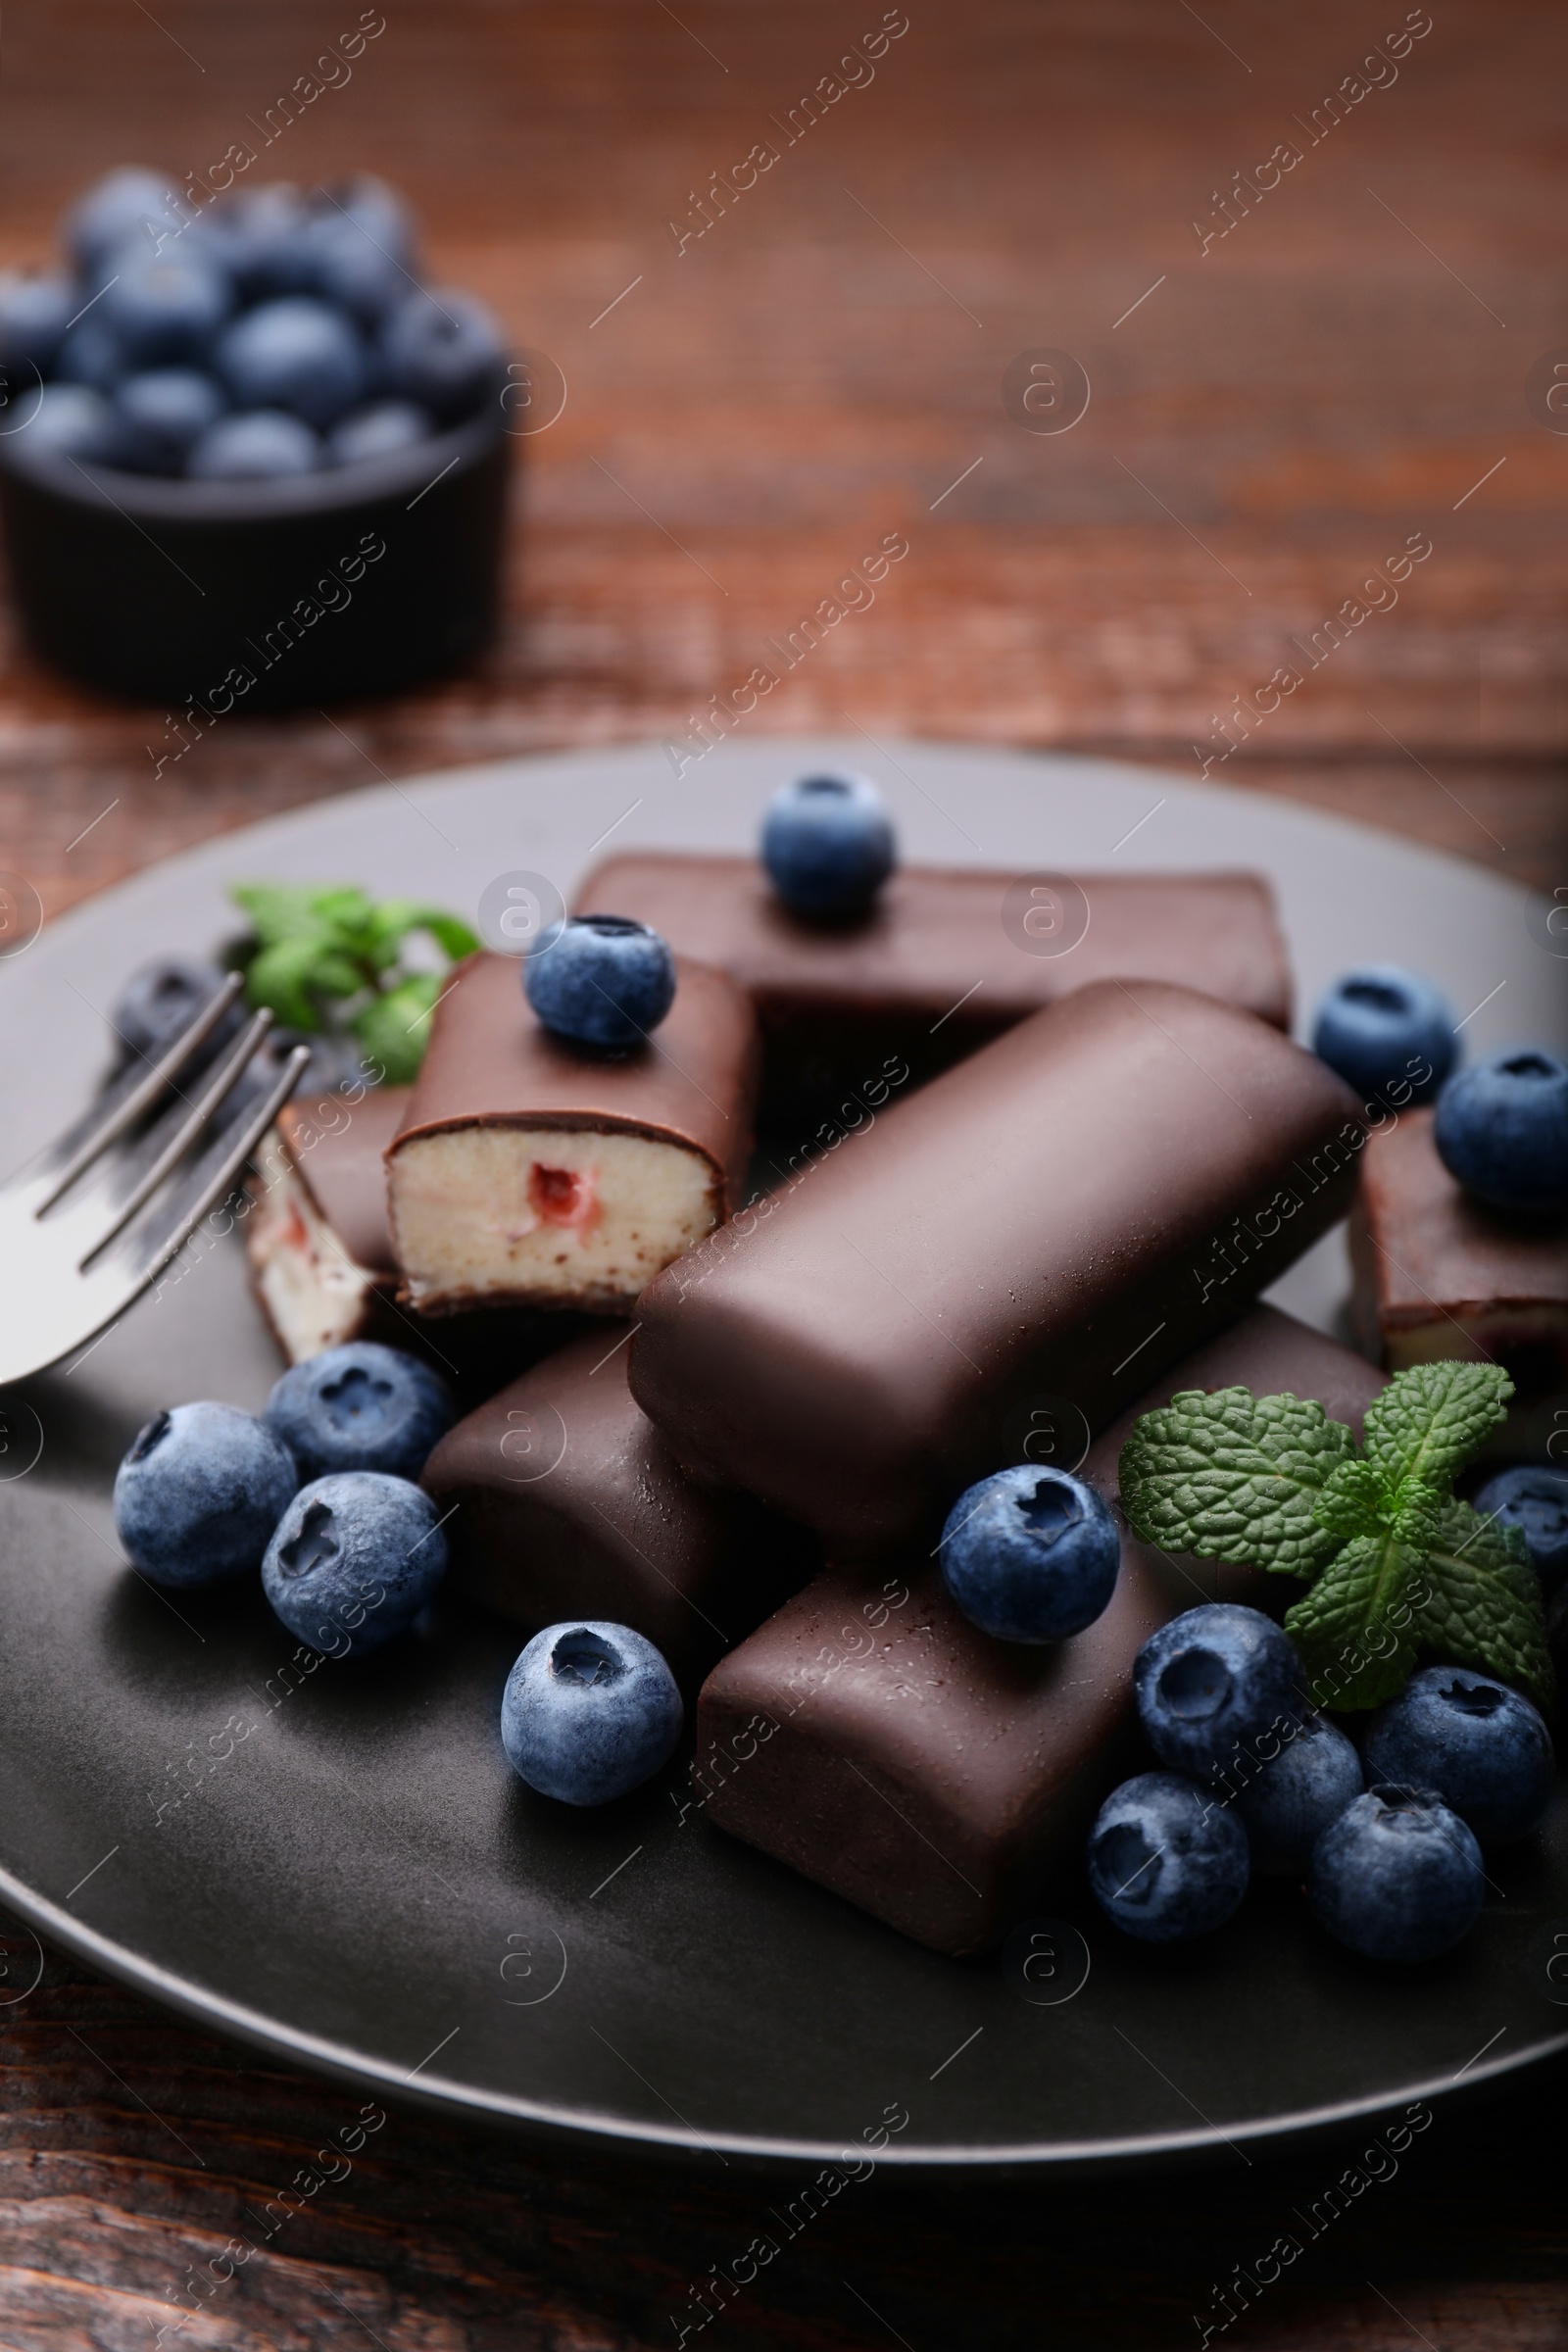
{"x":548,"y":1216}
{"x":314,"y":1294}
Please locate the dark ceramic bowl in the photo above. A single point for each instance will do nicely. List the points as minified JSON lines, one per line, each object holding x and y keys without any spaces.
{"x":260,"y":596}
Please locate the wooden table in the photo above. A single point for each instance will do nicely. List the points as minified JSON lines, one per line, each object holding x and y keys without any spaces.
{"x":1288,"y":383}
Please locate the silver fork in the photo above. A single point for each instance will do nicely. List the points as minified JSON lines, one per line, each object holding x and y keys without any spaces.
{"x":92,"y":1221}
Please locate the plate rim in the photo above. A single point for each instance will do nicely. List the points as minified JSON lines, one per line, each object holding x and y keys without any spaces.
{"x":456,"y":2101}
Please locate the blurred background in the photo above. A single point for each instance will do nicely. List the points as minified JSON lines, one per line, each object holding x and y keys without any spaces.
{"x":1285,"y":381}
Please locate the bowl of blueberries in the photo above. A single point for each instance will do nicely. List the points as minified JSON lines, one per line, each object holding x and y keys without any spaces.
{"x":249,"y":458}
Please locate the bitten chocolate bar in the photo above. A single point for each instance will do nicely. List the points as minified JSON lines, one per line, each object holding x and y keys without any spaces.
{"x":320,"y":1257}
{"x":570,"y":1504}
{"x":873,"y":1739}
{"x":317,"y":1235}
{"x":945,"y":959}
{"x":1075,"y":1207}
{"x":532,"y":1172}
{"x":1438,"y":1274}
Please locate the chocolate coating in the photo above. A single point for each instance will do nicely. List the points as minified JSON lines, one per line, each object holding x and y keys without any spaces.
{"x":1438,"y":1274}
{"x":489,"y":1063}
{"x":943,"y":1780}
{"x":571,"y":1506}
{"x":837,"y":1000}
{"x":1082,"y":1200}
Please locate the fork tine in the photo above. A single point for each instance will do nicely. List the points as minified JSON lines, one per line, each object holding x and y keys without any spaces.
{"x":217,"y":1085}
{"x":104,"y":1125}
{"x":215,"y":1171}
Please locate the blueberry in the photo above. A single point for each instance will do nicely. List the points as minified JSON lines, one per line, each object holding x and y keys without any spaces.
{"x":1212,"y":1682}
{"x":1502,"y":1130}
{"x":91,"y":356}
{"x":1533,"y":1500}
{"x":589,"y":1712}
{"x":262,"y":238}
{"x":378,"y":432}
{"x":1287,"y":1802}
{"x":361,"y":1407}
{"x":124,"y":204}
{"x":600,"y":980}
{"x":363,"y":275}
{"x":70,"y":421}
{"x":163,"y":997}
{"x":1380,"y":1025}
{"x":164,"y":308}
{"x":1477,"y":1746}
{"x":1030,"y":1555}
{"x":445,"y":351}
{"x":353,"y":1561}
{"x":162,"y":413}
{"x":253,"y":445}
{"x":199,"y":1494}
{"x":1166,"y":1859}
{"x":296,"y":353}
{"x":336,"y":1062}
{"x":1397,"y":1877}
{"x":216,"y":233}
{"x":827,"y":845}
{"x":373,"y":208}
{"x":34,"y":314}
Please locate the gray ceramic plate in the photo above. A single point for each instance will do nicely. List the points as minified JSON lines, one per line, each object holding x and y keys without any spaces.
{"x":338,"y":1868}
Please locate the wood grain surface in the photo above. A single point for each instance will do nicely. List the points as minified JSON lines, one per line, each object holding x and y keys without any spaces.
{"x":139,"y":2164}
{"x":1286,"y":384}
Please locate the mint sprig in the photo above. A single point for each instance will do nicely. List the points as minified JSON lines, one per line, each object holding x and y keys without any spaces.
{"x":1357,"y":1628}
{"x":1235,"y":1477}
{"x":1399,"y":1569}
{"x":336,"y":955}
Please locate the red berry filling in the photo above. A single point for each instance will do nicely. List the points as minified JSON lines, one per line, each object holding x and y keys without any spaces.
{"x":562,"y":1197}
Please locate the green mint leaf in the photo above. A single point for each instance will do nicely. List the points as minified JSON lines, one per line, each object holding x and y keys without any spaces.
{"x":336,"y":974}
{"x":1353,"y":1501}
{"x":395,"y":918}
{"x":394,"y":1028}
{"x":280,"y":978}
{"x":1231,"y":1476}
{"x":1357,"y":1502}
{"x":348,"y":917}
{"x":1356,"y":1628}
{"x":1430,"y":1420}
{"x":1415,"y":1513}
{"x":344,"y":908}
{"x":450,"y":933}
{"x":1478,"y":1602}
{"x":277,"y":911}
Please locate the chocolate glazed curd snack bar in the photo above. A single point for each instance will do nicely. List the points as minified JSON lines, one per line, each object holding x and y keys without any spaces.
{"x":532,"y":1172}
{"x":317,"y":1239}
{"x":1439,"y":1274}
{"x":873,"y":1738}
{"x":945,"y":959}
{"x":1079,"y":1203}
{"x":571,"y":1504}
{"x":320,"y":1248}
